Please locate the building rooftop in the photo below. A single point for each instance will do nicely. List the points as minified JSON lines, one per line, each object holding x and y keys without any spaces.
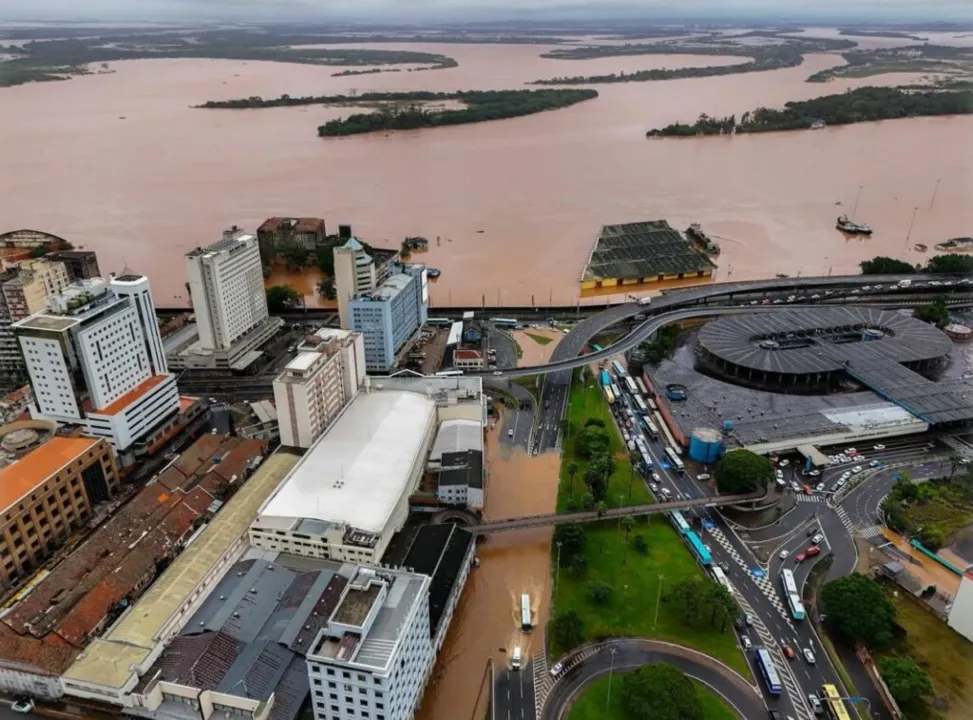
{"x":122,"y":403}
{"x":465,"y":354}
{"x":376,"y":644}
{"x":291,"y":224}
{"x":46,"y":322}
{"x":303,"y":362}
{"x":439,"y":551}
{"x":107,"y":660}
{"x":30,"y":471}
{"x":462,"y":468}
{"x":230,"y":240}
{"x":356,"y":472}
{"x":389,"y":289}
{"x":457,"y":436}
{"x":643,"y":250}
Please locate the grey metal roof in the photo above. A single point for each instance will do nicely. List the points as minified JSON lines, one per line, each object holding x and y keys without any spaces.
{"x":378,"y":645}
{"x":641,"y":250}
{"x":439,"y":552}
{"x":820,"y":340}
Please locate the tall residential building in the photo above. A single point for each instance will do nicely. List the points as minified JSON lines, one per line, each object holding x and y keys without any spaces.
{"x":227,"y":286}
{"x":354,"y":273}
{"x":317,"y":384}
{"x":372,"y":659}
{"x":24,"y":289}
{"x":390,"y":315}
{"x":46,"y":495}
{"x":94,"y":359}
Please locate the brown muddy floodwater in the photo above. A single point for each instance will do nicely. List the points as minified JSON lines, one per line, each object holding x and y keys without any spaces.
{"x":120,"y":163}
{"x":488,"y":616}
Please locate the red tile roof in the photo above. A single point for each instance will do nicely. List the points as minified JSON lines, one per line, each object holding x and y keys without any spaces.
{"x":198,"y":453}
{"x":128,"y":398}
{"x":464,"y":354}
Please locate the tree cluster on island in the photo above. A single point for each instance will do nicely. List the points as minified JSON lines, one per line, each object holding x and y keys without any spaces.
{"x":946,"y":59}
{"x":864,"y":104}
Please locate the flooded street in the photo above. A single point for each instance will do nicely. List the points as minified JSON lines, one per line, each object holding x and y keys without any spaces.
{"x":121,"y":164}
{"x":488,"y":616}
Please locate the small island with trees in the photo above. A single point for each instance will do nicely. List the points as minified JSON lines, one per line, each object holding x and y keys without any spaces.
{"x":405,"y":111}
{"x":865,"y":104}
{"x":949,"y":62}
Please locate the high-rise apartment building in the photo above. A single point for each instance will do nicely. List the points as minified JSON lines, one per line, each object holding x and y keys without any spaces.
{"x":314,"y":387}
{"x":354,"y":273}
{"x":94,"y":359}
{"x":24,"y":289}
{"x":391,"y":314}
{"x":227,"y":287}
{"x":372,"y":659}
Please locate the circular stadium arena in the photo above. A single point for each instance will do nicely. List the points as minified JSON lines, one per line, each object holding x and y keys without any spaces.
{"x":811,"y":350}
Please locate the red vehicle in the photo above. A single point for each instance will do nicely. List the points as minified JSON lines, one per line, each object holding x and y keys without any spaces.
{"x":807,"y":490}
{"x":788,"y":651}
{"x":800,"y":557}
{"x":812,"y":551}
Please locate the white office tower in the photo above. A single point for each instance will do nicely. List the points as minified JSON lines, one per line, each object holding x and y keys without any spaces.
{"x":94,"y":358}
{"x":373,"y":658}
{"x":355,"y":272}
{"x":226,"y":283}
{"x":317,"y":384}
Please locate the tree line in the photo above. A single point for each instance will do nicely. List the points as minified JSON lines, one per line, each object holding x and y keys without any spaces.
{"x":861,"y":105}
{"x":916,"y":58}
{"x":482,"y":106}
{"x":949,"y":263}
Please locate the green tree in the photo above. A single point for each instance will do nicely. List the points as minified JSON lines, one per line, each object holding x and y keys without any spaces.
{"x":39,"y":251}
{"x":883,"y":265}
{"x":688,"y":595}
{"x":588,"y":501}
{"x":627,"y":522}
{"x":567,"y":629}
{"x":906,"y":679}
{"x":935,"y":313}
{"x":932,"y":537}
{"x":572,"y":538}
{"x":594,"y":422}
{"x":723,"y":606}
{"x":405,"y":250}
{"x":592,"y":441}
{"x":282,"y":299}
{"x":598,"y":487}
{"x":578,"y":564}
{"x":293,"y":254}
{"x":859,"y":608}
{"x":572,"y":471}
{"x":600,"y":508}
{"x":660,"y":691}
{"x":641,"y":547}
{"x":952,"y":263}
{"x":742,"y":471}
{"x":599,"y":593}
{"x":327,"y":290}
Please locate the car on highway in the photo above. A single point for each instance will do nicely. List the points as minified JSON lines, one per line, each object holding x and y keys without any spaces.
{"x":783,"y":554}
{"x":667,"y":492}
{"x":739,"y":624}
{"x":653,"y":487}
{"x":556,"y":669}
{"x":725,"y":567}
{"x":809,"y":656}
{"x":795,"y":486}
{"x":498,"y":372}
{"x":812,"y":551}
{"x":857,"y":469}
{"x":703,"y":477}
{"x":819,"y":487}
{"x":815,"y":704}
{"x":745,"y":639}
{"x":24,"y":705}
{"x":875,"y":464}
{"x":788,"y":651}
{"x":800,"y":557}
{"x":510,"y":432}
{"x":748,"y":619}
{"x":655,"y":476}
{"x":878,"y":447}
{"x":785,"y":462}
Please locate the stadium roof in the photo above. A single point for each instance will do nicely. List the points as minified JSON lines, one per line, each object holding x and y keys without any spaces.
{"x":643,"y":250}
{"x":356,"y":472}
{"x":821,"y":339}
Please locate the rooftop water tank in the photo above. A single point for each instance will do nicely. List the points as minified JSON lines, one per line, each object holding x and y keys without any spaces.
{"x":705,"y":445}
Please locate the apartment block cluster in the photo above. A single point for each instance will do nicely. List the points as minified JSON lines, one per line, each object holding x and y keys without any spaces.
{"x":243,"y":583}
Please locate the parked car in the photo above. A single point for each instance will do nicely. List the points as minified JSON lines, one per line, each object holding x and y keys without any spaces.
{"x":667,"y":492}
{"x":809,"y":656}
{"x":725,"y":567}
{"x":556,"y":669}
{"x":653,"y":487}
{"x":748,"y":619}
{"x":747,"y":645}
{"x":739,"y":624}
{"x":851,"y":452}
{"x":857,"y":469}
{"x":817,"y":538}
{"x":812,"y":551}
{"x":814,"y":473}
{"x":819,"y":487}
{"x":23,"y":706}
{"x":788,"y":651}
{"x":703,"y":477}
{"x":655,"y":476}
{"x":812,"y":530}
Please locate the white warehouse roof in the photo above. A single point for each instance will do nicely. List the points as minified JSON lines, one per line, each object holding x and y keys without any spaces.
{"x":356,"y":472}
{"x":457,"y":436}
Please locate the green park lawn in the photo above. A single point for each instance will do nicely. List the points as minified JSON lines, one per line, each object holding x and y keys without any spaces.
{"x":593,"y":703}
{"x":540,"y":339}
{"x":625,"y":487}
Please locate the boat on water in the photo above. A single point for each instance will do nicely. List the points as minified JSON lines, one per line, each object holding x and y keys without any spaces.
{"x":920,"y":247}
{"x":847,"y":226}
{"x":957,"y":243}
{"x":432,"y":273}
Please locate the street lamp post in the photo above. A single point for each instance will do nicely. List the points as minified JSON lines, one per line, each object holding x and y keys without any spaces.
{"x":611,"y":671}
{"x":557,"y":571}
{"x":658,"y":600}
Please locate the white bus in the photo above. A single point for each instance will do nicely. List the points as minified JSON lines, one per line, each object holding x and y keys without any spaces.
{"x":526,"y":623}
{"x":640,"y":403}
{"x":449,"y":373}
{"x":790,"y":592}
{"x":630,"y":385}
{"x":675,"y":460}
{"x":721,"y":577}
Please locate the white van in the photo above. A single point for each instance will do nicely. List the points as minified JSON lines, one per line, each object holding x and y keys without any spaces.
{"x":515,"y":659}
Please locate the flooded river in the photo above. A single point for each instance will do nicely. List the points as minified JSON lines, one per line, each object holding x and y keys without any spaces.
{"x":120,"y":163}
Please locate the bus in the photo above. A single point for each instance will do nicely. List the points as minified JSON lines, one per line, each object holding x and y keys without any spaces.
{"x":605,"y":378}
{"x":641,"y":386}
{"x":721,"y":577}
{"x":640,"y":404}
{"x":650,"y":427}
{"x":679,"y":522}
{"x":619,"y":370}
{"x":698,"y":549}
{"x":647,"y":460}
{"x":767,"y":671}
{"x":793,"y":597}
{"x":596,"y":348}
{"x":609,"y":395}
{"x":525,"y":619}
{"x":439,"y":322}
{"x":661,"y":424}
{"x":675,"y":460}
{"x":652,"y":406}
{"x":834,"y":703}
{"x":504,"y":322}
{"x":449,"y":373}
{"x":617,"y":392}
{"x":630,"y":385}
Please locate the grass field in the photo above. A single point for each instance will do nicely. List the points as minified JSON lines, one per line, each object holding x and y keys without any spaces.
{"x":634,"y":579}
{"x":946,"y":655}
{"x":625,"y":487}
{"x":539,"y":339}
{"x":593,"y":703}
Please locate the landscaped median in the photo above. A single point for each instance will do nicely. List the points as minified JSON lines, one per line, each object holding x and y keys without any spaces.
{"x":630,"y":577}
{"x":595,"y":704}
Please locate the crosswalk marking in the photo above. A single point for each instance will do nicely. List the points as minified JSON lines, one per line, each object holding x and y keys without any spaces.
{"x":845,"y":520}
{"x":810,"y":499}
{"x":870,"y":532}
{"x":765,"y":584}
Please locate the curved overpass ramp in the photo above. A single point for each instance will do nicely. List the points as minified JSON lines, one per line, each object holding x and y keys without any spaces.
{"x":635,"y":652}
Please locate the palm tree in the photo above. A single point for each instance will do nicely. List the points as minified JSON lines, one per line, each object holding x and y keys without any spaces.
{"x":572,"y":471}
{"x":628,"y":522}
{"x":955,"y":460}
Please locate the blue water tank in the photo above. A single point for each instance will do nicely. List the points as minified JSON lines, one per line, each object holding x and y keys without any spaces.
{"x":705,"y":445}
{"x":676,"y":392}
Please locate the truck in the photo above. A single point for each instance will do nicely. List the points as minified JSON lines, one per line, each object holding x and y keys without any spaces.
{"x":645,"y":301}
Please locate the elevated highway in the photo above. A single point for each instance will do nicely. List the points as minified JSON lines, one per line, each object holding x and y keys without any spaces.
{"x":534,"y":521}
